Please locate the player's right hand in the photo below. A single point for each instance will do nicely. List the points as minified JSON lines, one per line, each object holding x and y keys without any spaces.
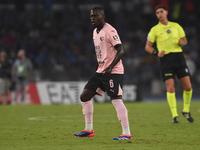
{"x":107,"y":71}
{"x":161,"y":54}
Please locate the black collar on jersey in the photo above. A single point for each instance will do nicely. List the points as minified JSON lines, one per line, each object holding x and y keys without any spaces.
{"x":100,"y":28}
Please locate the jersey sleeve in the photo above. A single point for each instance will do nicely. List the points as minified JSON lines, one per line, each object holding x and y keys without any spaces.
{"x":181,"y":32}
{"x":151,"y":36}
{"x":113,"y":37}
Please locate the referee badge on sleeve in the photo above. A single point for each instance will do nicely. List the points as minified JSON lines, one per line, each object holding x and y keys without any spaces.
{"x":148,"y":38}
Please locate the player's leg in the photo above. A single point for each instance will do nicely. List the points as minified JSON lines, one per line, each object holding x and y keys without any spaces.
{"x":122,"y":115}
{"x":183,"y":75}
{"x":87,"y":112}
{"x":171,"y":98}
{"x":187,"y":95}
{"x":113,"y":85}
{"x":87,"y":108}
{"x":90,"y":89}
{"x":168,"y":74}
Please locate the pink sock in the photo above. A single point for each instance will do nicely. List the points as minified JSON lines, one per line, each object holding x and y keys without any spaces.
{"x":122,"y":113}
{"x":88,"y":114}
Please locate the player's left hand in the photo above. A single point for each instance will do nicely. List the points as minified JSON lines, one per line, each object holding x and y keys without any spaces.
{"x":107,"y":71}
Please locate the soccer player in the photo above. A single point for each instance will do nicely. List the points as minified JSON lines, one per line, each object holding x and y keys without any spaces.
{"x":108,"y":76}
{"x":170,"y":37}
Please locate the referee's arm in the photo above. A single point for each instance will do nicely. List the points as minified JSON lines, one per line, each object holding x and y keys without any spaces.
{"x":151,"y":50}
{"x":182,"y":41}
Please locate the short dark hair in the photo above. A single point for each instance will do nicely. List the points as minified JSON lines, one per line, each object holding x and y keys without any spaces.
{"x":99,"y":9}
{"x":160,"y":6}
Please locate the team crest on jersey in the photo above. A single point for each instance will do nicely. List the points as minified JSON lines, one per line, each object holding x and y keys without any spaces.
{"x":101,"y":38}
{"x":168,"y":31}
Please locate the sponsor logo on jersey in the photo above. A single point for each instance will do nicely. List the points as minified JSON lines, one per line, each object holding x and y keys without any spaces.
{"x":101,"y":62}
{"x":98,"y":52}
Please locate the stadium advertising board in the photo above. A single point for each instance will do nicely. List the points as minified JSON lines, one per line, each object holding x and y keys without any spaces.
{"x":68,"y":93}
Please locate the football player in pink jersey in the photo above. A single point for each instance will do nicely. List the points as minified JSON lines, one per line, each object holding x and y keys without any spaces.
{"x":108,"y":76}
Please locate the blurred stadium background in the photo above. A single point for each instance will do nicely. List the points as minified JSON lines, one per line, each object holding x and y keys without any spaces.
{"x":57,"y":37}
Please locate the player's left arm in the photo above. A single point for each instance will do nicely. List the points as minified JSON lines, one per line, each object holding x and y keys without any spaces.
{"x":118,"y":56}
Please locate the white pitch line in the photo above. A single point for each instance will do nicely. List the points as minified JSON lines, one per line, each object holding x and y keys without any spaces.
{"x":41,"y":117}
{"x":83,"y":121}
{"x":51,"y":118}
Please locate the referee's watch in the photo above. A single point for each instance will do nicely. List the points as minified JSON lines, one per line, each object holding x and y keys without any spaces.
{"x":155,"y":52}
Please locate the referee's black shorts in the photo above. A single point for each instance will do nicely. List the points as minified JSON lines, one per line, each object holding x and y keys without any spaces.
{"x":174,"y":64}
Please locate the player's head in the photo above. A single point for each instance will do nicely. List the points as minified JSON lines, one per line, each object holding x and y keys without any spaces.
{"x":21,"y":54}
{"x":161,"y":12}
{"x":97,"y":16}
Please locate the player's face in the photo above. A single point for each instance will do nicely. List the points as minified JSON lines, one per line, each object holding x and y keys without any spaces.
{"x":161,"y":14}
{"x":96,"y":18}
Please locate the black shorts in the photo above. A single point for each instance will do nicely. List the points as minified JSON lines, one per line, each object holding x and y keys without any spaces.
{"x":111,"y":84}
{"x":174,"y":64}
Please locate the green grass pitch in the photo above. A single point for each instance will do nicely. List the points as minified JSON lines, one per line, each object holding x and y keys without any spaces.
{"x":51,"y":127}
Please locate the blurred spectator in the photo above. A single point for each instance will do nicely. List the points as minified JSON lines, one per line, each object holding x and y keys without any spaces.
{"x":21,"y":72}
{"x":5,"y":78}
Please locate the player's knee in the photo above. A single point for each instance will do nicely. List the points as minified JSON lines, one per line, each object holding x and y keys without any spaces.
{"x":171,"y":90}
{"x":84,"y":97}
{"x":188,"y":88}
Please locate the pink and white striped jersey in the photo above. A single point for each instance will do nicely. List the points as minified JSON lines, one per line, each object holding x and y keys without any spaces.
{"x":104,"y":43}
